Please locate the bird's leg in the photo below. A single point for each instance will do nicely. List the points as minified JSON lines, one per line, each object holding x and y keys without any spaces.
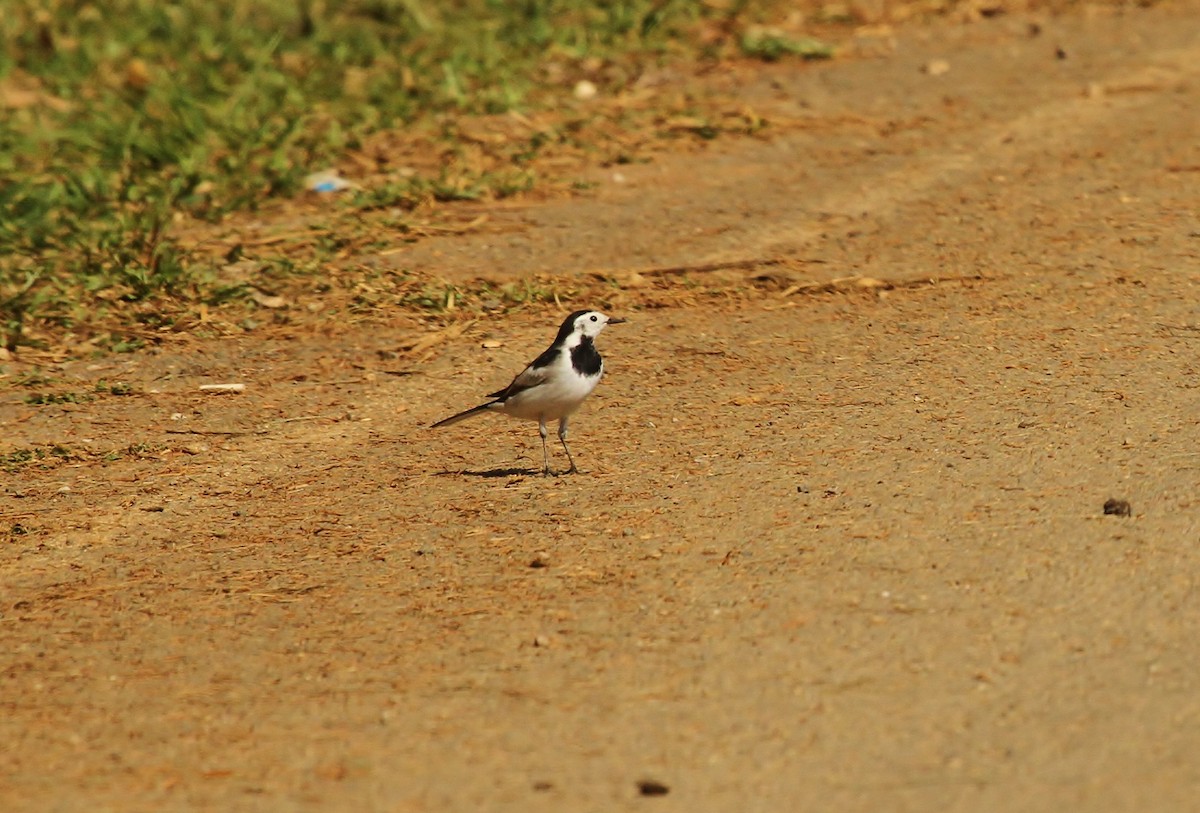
{"x":545,"y":452}
{"x":562,"y":436}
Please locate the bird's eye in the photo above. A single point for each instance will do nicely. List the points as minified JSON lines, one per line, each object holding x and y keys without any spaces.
{"x":593,"y":318}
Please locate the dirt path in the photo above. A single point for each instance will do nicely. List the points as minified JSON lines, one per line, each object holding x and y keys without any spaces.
{"x":1008,"y":159}
{"x":840,"y":551}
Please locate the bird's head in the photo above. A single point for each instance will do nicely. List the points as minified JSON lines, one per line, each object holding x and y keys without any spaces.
{"x":588,"y":323}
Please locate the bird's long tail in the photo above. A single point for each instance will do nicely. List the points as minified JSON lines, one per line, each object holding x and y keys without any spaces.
{"x":462,"y":416}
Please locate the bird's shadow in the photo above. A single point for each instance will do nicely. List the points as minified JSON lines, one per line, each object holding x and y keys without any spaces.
{"x":509,"y":472}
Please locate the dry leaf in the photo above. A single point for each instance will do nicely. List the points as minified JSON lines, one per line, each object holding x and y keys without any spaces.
{"x":433,"y":339}
{"x":871,"y":282}
{"x":137,"y":74}
{"x":268,"y":300}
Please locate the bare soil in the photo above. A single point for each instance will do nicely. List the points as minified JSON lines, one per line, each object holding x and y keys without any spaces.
{"x":839,"y":542}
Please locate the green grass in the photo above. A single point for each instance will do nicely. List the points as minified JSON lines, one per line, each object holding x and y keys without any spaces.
{"x":72,"y":397}
{"x":772,"y":46}
{"x":51,"y":455}
{"x":127,"y":118}
{"x":35,"y":455}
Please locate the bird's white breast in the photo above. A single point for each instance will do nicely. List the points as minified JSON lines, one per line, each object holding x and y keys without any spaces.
{"x":558,"y":396}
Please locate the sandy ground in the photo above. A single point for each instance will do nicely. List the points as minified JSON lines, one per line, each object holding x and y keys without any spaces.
{"x":833,"y":548}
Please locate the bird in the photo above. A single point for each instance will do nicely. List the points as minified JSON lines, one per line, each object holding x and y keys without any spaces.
{"x":554,"y":384}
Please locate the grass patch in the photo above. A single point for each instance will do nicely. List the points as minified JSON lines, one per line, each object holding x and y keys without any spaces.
{"x":52,"y":455}
{"x":53,"y":398}
{"x":772,"y":46}
{"x":32,"y":378}
{"x":125,"y":119}
{"x":207,"y":108}
{"x":43,"y":456}
{"x":115,"y":388}
{"x":101,"y":388}
{"x":130,"y":127}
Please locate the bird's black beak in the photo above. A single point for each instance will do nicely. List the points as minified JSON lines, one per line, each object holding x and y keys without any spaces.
{"x":612,"y":320}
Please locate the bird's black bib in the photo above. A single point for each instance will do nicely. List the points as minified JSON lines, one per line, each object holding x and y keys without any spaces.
{"x":585,"y":358}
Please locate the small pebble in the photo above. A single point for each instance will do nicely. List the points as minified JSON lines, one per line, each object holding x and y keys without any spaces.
{"x":649,"y":787}
{"x":540,"y":560}
{"x":541,"y":641}
{"x":1118,"y":508}
{"x":936,"y":67}
{"x":585,"y":90}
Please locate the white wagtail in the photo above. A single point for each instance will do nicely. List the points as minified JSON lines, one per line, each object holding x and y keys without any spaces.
{"x":555,"y":384}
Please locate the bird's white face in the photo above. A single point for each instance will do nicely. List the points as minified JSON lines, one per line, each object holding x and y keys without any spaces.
{"x":591,"y":323}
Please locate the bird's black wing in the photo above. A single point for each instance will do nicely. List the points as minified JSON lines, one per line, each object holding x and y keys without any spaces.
{"x":528,"y":378}
{"x":533,"y":375}
{"x":548,"y":355}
